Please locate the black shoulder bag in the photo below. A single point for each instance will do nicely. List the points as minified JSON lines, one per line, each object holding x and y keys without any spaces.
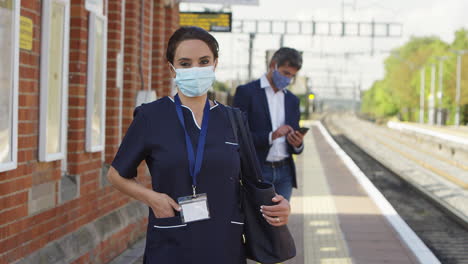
{"x":263,"y":242}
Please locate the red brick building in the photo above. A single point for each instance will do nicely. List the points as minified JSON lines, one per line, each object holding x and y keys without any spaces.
{"x":67,"y":93}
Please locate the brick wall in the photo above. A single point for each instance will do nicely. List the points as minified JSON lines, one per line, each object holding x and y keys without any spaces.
{"x":165,"y":23}
{"x":28,"y":233}
{"x":113,"y":98}
{"x":17,"y":238}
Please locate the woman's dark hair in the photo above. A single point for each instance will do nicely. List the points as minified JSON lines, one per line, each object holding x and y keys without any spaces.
{"x":186,"y":33}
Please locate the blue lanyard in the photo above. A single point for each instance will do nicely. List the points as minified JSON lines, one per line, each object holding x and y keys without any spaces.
{"x":194,"y":162}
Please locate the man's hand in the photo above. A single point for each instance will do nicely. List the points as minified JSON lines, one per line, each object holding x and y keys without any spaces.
{"x":295,"y":139}
{"x":277,"y":215}
{"x":281,"y":132}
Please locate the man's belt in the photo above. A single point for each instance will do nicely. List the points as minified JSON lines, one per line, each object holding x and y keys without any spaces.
{"x":277,"y":164}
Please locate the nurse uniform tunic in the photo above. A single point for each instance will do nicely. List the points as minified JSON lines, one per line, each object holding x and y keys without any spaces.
{"x":157,"y":137}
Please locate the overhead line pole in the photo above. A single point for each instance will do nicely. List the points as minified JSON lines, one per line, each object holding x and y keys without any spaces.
{"x":441,"y":89}
{"x":433,"y":95}
{"x":459,"y":53}
{"x":251,"y":40}
{"x":422,"y":95}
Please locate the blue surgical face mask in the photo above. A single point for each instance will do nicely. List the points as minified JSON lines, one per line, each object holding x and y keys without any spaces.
{"x":195,"y":81}
{"x":280,"y":80}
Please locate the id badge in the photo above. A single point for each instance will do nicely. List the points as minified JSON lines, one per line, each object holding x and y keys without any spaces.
{"x":194,"y":208}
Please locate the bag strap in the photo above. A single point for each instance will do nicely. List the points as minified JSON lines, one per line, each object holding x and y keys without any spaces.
{"x":247,"y":145}
{"x":234,"y":126}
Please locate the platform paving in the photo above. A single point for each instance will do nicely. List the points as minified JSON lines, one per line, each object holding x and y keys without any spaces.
{"x":367,"y":232}
{"x":458,"y":135}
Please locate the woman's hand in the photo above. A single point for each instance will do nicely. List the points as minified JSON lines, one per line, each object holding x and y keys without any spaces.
{"x":162,"y":205}
{"x":277,"y":215}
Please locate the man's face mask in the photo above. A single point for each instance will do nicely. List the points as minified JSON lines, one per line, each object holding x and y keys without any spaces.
{"x":194,"y":81}
{"x":280,"y":80}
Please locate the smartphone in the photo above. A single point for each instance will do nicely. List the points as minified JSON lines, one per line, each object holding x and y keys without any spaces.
{"x":303,"y":130}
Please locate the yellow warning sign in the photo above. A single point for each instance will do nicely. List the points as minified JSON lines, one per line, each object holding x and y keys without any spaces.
{"x":215,"y":22}
{"x":26,"y":33}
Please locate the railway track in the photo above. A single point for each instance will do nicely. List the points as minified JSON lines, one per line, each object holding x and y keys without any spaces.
{"x":446,"y":237}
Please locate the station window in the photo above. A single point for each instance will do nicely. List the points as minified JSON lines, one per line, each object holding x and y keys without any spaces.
{"x":9,"y":54}
{"x":54,"y":79}
{"x":96,"y":91}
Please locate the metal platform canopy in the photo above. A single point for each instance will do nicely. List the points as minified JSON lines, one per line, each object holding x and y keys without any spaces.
{"x":224,"y":2}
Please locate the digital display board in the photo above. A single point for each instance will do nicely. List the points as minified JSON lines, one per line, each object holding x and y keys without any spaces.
{"x":214,"y":22}
{"x":224,"y":2}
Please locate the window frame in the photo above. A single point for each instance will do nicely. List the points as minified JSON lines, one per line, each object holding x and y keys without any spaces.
{"x":90,"y":83}
{"x":13,"y":163}
{"x":44,"y":82}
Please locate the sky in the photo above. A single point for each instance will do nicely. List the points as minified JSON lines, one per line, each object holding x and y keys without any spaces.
{"x":418,"y":17}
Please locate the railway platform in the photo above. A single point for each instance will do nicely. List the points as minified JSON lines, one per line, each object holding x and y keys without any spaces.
{"x":451,"y":134}
{"x":338,"y":216}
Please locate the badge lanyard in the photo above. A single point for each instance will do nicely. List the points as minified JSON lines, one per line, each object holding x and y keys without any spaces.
{"x":194,"y":161}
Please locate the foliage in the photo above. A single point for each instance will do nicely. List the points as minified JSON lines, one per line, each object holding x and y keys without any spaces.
{"x":398,"y":93}
{"x":378,"y":101}
{"x":220,"y":86}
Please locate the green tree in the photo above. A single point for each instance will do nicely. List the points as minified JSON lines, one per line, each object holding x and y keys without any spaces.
{"x":460,"y":43}
{"x":399,"y":91}
{"x":220,"y":86}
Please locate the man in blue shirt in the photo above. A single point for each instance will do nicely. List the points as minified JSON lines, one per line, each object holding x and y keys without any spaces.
{"x":273,"y":115}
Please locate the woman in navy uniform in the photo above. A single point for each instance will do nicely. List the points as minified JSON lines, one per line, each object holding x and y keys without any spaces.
{"x":159,"y":134}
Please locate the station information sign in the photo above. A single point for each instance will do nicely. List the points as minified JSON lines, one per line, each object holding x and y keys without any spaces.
{"x":210,"y":21}
{"x":26,"y":33}
{"x":224,"y":2}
